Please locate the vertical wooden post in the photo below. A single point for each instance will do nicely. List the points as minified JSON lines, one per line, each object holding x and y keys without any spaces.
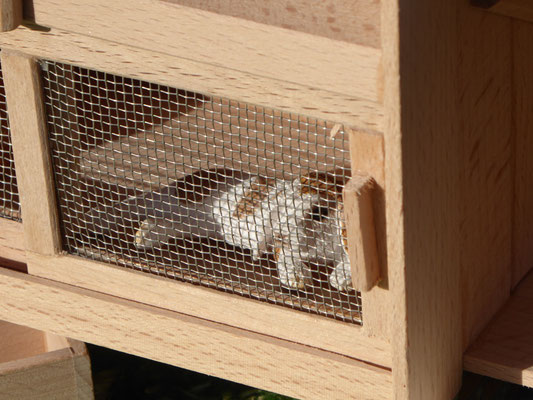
{"x":361,"y":232}
{"x":32,"y":157}
{"x":10,"y":14}
{"x":422,"y":169}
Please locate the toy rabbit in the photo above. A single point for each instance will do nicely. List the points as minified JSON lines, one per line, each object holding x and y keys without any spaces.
{"x":300,"y":221}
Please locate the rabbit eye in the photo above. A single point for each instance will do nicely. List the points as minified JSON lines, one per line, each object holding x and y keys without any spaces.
{"x":318,"y":213}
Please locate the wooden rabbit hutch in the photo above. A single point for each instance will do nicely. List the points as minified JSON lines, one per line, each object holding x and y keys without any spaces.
{"x":326,"y":200}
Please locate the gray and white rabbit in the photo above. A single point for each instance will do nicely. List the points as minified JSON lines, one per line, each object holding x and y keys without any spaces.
{"x":300,"y":221}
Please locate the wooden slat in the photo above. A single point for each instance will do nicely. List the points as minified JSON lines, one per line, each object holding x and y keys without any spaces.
{"x":361,"y":231}
{"x":30,"y":148}
{"x":486,"y":191}
{"x":505,"y":349}
{"x":355,"y":21}
{"x":422,"y":170}
{"x":215,"y":306}
{"x":232,"y":43}
{"x":521,"y":9}
{"x":176,"y":71}
{"x":165,"y":336}
{"x":367,"y":155}
{"x":10,"y":14}
{"x":523,"y":104}
{"x":12,"y":240}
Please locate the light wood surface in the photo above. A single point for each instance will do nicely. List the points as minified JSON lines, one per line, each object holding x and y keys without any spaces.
{"x":22,"y":80}
{"x":521,"y":9}
{"x":367,"y":155}
{"x":37,"y":365}
{"x":177,"y":71}
{"x":227,"y":42}
{"x":216,"y":306}
{"x":360,"y":228}
{"x":486,"y":137}
{"x":355,"y":21}
{"x":523,"y":104}
{"x":241,"y":356}
{"x":505,"y":349}
{"x":12,"y":240}
{"x":422,"y":171}
{"x":10,"y":14}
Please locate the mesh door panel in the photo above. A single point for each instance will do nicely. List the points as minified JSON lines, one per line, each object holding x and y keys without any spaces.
{"x":211,"y":191}
{"x":9,"y":198}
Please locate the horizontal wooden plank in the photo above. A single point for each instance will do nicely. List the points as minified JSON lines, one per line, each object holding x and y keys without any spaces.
{"x":252,"y":315}
{"x":12,"y":240}
{"x":355,"y":21}
{"x":206,"y":347}
{"x":505,"y":349}
{"x":195,"y":76}
{"x":520,"y":9}
{"x":223,"y":41}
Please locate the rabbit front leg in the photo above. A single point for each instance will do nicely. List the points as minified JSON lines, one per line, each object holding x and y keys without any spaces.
{"x":341,"y":277}
{"x":292,"y":271}
{"x":153,"y":233}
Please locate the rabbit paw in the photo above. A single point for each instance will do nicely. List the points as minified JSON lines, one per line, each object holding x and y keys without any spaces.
{"x":144,"y":236}
{"x":291,"y":272}
{"x":341,"y":277}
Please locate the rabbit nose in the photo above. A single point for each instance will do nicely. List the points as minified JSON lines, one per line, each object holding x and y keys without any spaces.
{"x":318,"y":213}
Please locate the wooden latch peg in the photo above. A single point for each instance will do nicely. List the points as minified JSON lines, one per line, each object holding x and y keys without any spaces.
{"x":10,"y":14}
{"x":361,"y":232}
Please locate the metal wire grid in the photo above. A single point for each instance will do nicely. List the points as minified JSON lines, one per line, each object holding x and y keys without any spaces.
{"x":9,"y":198}
{"x":211,"y":191}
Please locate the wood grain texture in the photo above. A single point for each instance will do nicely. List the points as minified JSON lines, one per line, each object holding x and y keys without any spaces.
{"x":165,"y":336}
{"x":361,"y":231}
{"x":12,"y":240}
{"x":521,"y":9}
{"x":227,"y":42}
{"x":505,"y":349}
{"x":367,"y":155}
{"x":355,"y":21}
{"x":486,"y":133}
{"x":212,"y":305}
{"x":523,"y":104}
{"x":10,"y":14}
{"x":30,"y":148}
{"x":422,"y":170}
{"x":189,"y":74}
{"x":30,"y":370}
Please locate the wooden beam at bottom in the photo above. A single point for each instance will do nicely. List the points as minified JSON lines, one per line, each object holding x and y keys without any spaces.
{"x":505,"y":349}
{"x":207,"y":347}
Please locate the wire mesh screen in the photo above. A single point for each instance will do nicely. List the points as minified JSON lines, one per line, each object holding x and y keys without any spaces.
{"x":9,"y":198}
{"x":206,"y":190}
